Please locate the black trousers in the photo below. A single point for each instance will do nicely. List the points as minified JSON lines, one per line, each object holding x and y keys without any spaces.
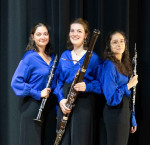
{"x":32,"y":132}
{"x":116,"y":122}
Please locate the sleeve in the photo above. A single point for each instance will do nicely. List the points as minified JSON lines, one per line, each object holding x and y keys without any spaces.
{"x":133,"y":120}
{"x":58,"y":91}
{"x":95,"y":85}
{"x":112,"y":91}
{"x":19,"y":82}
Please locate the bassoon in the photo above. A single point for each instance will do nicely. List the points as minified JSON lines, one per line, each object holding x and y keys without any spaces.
{"x":72,"y":96}
{"x":134,"y":73}
{"x":50,"y":78}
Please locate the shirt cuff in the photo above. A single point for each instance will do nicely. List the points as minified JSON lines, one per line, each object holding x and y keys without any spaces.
{"x":88,"y":87}
{"x":133,"y":121}
{"x":60,"y":98}
{"x":35,"y":94}
{"x":127,"y":92}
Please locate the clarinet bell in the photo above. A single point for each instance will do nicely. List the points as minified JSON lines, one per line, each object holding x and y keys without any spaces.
{"x":37,"y":120}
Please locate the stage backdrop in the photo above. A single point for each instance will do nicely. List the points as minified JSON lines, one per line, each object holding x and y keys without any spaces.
{"x":18,"y":16}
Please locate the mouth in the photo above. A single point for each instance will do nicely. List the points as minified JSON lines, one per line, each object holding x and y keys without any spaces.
{"x":75,"y":38}
{"x":43,"y":41}
{"x":119,"y":48}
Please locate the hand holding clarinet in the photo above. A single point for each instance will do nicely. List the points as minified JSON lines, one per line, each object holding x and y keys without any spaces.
{"x":45,"y":92}
{"x":134,"y":79}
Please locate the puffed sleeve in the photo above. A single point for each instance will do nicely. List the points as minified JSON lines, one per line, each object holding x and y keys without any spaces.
{"x":93,"y":74}
{"x":112,"y":91}
{"x":95,"y":86}
{"x":133,"y":120}
{"x":20,"y":84}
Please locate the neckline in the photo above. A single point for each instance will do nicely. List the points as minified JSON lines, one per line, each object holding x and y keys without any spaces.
{"x":77,"y":60}
{"x":44,"y":60}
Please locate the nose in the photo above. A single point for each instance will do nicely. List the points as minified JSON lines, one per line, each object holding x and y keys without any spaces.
{"x":75,"y":33}
{"x":119,"y":43}
{"x":42,"y":36}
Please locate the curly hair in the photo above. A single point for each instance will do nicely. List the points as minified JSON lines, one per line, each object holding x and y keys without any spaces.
{"x":125,"y":66}
{"x":31,"y":44}
{"x":85,"y":25}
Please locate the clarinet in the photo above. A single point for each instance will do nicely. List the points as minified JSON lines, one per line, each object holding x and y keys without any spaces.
{"x":72,"y":96}
{"x":134,"y":73}
{"x":51,"y":75}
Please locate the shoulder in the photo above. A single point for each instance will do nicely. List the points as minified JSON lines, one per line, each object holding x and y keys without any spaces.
{"x":109,"y":66}
{"x":66,"y":53}
{"x":108,"y":63}
{"x":96,"y":58}
{"x":29,"y":56}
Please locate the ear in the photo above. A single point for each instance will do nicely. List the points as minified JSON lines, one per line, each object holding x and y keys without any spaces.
{"x":32,"y":36}
{"x":85,"y":36}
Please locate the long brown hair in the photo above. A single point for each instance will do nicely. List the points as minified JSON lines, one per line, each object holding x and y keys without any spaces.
{"x":125,"y":66}
{"x":31,"y":44}
{"x":85,"y":25}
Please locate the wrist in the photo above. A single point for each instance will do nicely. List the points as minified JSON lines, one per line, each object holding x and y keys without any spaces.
{"x":129,"y":86}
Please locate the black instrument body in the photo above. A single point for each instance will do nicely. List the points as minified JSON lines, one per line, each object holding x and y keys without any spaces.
{"x":50,"y":78}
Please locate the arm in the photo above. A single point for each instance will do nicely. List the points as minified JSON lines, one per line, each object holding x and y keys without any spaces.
{"x":95,"y":86}
{"x":91,"y":79}
{"x":114,"y":91}
{"x":58,"y":91}
{"x":133,"y":123}
{"x":20,"y":84}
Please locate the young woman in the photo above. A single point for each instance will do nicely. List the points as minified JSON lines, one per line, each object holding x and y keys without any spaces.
{"x":117,"y":80}
{"x":81,"y":126}
{"x":29,"y":82}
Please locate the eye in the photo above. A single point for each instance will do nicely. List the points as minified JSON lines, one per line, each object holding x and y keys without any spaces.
{"x":79,"y":31}
{"x":115,"y":42}
{"x":46,"y":34}
{"x":122,"y":41}
{"x":71,"y":30}
{"x":38,"y":34}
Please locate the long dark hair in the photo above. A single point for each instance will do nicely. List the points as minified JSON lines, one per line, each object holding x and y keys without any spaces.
{"x":85,"y":25}
{"x":31,"y":44}
{"x":125,"y":66}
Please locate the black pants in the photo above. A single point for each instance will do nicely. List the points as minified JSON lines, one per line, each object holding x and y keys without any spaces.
{"x":116,"y":123}
{"x":34,"y":133}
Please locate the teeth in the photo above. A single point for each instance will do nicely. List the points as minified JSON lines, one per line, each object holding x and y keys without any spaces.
{"x":75,"y":38}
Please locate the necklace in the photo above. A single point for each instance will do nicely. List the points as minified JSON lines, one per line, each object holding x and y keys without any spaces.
{"x":78,"y":52}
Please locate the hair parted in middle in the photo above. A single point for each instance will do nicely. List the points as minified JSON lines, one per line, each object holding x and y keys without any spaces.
{"x":85,"y":25}
{"x":125,"y":66}
{"x":31,"y":44}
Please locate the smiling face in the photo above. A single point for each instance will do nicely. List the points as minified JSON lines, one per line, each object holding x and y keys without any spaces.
{"x":77,"y":34}
{"x":117,"y":44}
{"x":41,"y":37}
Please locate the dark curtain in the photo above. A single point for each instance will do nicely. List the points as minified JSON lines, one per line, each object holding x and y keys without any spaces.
{"x":18,"y":16}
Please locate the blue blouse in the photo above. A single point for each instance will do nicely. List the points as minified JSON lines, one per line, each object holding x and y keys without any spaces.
{"x":114,"y":85}
{"x":67,"y":71}
{"x":31,"y":75}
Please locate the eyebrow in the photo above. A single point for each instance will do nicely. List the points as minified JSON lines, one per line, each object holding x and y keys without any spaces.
{"x":117,"y":39}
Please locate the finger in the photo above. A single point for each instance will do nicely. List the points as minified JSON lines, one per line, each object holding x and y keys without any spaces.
{"x":65,"y":111}
{"x":131,"y":129}
{"x":76,"y":88}
{"x":48,"y":89}
{"x":66,"y":108}
{"x":134,"y":128}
